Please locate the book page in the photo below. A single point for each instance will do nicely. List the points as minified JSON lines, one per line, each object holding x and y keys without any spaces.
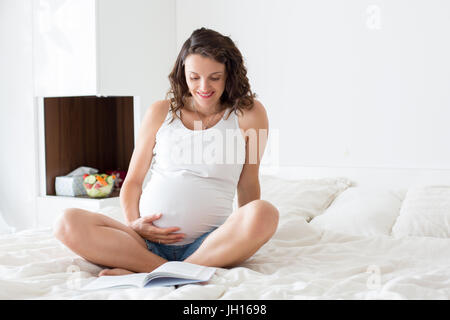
{"x":133,"y":280}
{"x":206,"y":273}
{"x":178,"y":268}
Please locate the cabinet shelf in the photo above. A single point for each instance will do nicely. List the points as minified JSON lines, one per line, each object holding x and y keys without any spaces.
{"x":84,"y":201}
{"x":49,"y":207}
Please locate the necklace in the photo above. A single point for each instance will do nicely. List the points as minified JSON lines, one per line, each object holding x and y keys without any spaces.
{"x":207,"y":124}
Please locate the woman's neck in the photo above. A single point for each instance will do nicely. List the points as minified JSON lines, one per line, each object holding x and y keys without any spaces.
{"x":205,"y":112}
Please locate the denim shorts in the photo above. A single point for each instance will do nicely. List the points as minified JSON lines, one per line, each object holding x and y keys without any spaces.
{"x":176,"y":252}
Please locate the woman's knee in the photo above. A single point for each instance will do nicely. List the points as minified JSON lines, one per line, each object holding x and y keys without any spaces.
{"x":66,"y":226}
{"x":261,"y":218}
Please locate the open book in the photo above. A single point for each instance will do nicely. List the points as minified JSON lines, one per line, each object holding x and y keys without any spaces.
{"x":168,"y":274}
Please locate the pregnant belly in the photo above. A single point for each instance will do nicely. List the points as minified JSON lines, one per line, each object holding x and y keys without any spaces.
{"x":193,"y":207}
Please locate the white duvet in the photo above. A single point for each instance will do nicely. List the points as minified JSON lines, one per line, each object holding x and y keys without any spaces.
{"x":301,"y":261}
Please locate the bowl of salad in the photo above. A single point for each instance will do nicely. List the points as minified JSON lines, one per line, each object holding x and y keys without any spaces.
{"x":98,"y":185}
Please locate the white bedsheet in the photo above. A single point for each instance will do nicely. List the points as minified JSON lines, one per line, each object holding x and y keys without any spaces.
{"x":299,"y":262}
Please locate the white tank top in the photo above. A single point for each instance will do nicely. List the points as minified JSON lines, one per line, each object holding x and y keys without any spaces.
{"x":194,"y":175}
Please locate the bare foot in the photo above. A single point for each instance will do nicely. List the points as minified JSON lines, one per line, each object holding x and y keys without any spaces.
{"x":114,"y":272}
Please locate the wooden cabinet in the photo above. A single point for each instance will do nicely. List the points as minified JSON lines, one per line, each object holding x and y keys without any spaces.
{"x":88,"y":131}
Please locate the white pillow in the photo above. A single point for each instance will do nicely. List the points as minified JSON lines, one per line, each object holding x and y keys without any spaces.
{"x":365,"y":211}
{"x":425,"y":212}
{"x":307,"y":197}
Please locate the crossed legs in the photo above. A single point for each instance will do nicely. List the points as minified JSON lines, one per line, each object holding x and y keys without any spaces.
{"x":107,"y":242}
{"x":242,"y":234}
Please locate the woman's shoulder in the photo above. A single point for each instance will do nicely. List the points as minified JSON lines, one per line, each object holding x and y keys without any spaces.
{"x":155,"y":115}
{"x":159,"y":109}
{"x":257,"y":110}
{"x":162,"y":106}
{"x":255,"y":117}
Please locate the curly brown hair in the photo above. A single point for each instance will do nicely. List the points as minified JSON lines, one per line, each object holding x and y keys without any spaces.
{"x":209,"y":43}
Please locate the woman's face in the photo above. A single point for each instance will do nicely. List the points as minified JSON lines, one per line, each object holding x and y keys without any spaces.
{"x":205,"y":78}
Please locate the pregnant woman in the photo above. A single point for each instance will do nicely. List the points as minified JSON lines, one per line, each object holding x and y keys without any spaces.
{"x":199,"y":146}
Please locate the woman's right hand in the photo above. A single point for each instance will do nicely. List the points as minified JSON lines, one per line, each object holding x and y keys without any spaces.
{"x":146,"y":229}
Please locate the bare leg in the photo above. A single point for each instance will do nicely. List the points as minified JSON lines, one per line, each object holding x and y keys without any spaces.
{"x":242,"y":234}
{"x":105,"y":241}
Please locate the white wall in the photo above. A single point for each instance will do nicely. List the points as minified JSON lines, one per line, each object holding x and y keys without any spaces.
{"x":352,"y":83}
{"x":157,"y":47}
{"x":104,"y":47}
{"x":17,"y":144}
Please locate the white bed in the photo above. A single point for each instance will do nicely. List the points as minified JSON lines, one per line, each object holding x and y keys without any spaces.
{"x":336,"y":239}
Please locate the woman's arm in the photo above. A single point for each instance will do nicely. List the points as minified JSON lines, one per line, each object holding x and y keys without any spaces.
{"x":141,"y":159}
{"x":255,"y":125}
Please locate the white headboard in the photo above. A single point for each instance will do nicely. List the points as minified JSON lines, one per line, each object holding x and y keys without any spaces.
{"x":395,"y":178}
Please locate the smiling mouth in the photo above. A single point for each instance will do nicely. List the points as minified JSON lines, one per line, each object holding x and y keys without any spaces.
{"x":205,"y":95}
